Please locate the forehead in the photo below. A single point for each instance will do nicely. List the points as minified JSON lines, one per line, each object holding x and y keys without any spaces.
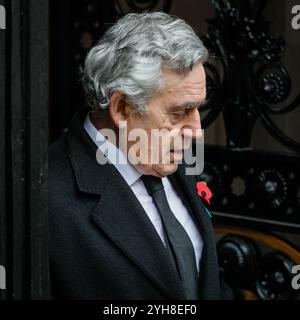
{"x":182,"y":88}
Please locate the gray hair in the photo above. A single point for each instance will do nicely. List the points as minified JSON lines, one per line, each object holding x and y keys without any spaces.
{"x":131,"y":55}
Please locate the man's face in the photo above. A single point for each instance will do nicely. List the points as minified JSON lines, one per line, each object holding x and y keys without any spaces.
{"x":174,"y":109}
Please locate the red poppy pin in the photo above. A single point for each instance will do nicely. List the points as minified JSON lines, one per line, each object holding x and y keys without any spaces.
{"x":205,"y":193}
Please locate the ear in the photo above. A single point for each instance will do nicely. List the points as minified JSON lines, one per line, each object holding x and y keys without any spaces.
{"x":119,"y":109}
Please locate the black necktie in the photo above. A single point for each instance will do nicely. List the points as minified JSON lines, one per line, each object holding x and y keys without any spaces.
{"x":181,"y":246}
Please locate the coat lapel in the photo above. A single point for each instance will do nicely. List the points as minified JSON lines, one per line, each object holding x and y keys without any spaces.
{"x":135,"y":235}
{"x":119,"y":214}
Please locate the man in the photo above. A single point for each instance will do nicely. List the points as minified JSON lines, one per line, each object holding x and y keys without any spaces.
{"x":126,"y":228}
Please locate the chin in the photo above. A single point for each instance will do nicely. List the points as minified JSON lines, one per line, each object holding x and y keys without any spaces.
{"x":157,"y":170}
{"x":165,"y":169}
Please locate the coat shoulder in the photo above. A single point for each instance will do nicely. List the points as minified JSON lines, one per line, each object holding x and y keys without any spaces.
{"x":61,"y":178}
{"x":59,"y":163}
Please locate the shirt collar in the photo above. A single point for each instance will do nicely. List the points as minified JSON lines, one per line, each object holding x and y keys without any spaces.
{"x":126,"y":169}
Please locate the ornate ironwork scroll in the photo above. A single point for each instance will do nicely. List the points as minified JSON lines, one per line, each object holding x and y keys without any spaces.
{"x":249,"y":84}
{"x":253,"y":85}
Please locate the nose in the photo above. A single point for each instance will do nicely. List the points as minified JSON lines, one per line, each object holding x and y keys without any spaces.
{"x":193,"y":124}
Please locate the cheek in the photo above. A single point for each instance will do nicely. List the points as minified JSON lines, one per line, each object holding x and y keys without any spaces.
{"x":144,"y":121}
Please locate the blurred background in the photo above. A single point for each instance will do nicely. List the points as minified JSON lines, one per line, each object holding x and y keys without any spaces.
{"x":251,"y":122}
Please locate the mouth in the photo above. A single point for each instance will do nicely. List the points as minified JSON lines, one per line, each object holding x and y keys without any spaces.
{"x":179,"y":151}
{"x":177,"y":154}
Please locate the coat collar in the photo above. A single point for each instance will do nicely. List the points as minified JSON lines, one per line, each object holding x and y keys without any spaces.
{"x":113,"y":154}
{"x":90,"y":176}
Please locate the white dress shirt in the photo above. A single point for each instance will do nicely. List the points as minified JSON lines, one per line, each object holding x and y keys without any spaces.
{"x":133,"y":178}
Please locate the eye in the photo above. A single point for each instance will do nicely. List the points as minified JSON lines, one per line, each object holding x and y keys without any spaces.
{"x":178,"y":114}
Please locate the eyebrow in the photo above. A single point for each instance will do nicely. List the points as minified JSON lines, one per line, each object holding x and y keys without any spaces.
{"x":189,"y":105}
